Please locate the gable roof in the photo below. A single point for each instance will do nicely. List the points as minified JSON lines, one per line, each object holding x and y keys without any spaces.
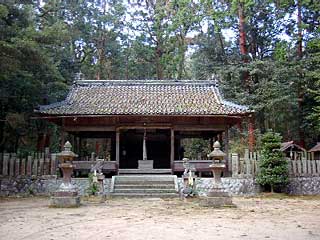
{"x":144,"y":97}
{"x":316,"y":148}
{"x":291,"y":144}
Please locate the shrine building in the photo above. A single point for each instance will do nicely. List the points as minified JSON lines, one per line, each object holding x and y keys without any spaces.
{"x":132,"y":120}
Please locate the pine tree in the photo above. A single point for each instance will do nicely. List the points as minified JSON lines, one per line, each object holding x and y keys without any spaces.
{"x":273,"y":166}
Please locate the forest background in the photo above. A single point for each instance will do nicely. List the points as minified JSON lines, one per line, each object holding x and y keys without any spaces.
{"x":263,"y":53}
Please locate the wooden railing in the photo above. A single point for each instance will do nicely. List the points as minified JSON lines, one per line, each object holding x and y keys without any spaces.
{"x":199,"y":165}
{"x":106,"y":166}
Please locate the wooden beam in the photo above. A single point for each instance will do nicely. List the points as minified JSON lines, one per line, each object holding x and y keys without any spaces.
{"x":161,"y":126}
{"x":172,"y":149}
{"x":199,"y":128}
{"x":118,"y":147}
{"x":90,"y":129}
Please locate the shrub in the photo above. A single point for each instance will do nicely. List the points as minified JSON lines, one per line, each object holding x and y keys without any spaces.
{"x":273,"y":165}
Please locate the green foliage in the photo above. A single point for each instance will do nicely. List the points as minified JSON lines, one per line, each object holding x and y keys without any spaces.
{"x":196,"y":148}
{"x":93,"y":188}
{"x":45,"y":44}
{"x":273,"y":165}
{"x":313,"y":77}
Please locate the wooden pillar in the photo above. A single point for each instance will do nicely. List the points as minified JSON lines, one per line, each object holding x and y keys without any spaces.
{"x":79,"y":148}
{"x":172,"y":149}
{"x":226,"y":148}
{"x":62,"y":135}
{"x":144,"y":146}
{"x":240,"y":129}
{"x":211,"y":144}
{"x":251,"y":138}
{"x":118,"y":147}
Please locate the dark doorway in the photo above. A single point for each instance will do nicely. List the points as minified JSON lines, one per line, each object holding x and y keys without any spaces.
{"x":158,"y":148}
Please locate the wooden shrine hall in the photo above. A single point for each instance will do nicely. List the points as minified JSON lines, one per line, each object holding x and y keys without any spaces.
{"x":138,"y":125}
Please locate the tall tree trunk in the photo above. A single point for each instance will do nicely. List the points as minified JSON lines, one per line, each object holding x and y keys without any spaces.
{"x":127,"y":66}
{"x":242,"y":41}
{"x":242,"y":33}
{"x":159,"y":67}
{"x":300,"y":90}
{"x":299,"y":26}
{"x":182,"y":57}
{"x":224,"y":58}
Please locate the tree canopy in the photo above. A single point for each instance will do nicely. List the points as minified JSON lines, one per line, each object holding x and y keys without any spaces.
{"x":264,"y":53}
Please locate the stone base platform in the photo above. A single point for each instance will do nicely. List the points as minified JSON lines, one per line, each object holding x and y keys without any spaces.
{"x":64,"y":199}
{"x":145,"y":164}
{"x":217,"y":197}
{"x":65,"y":202}
{"x":216,"y":202}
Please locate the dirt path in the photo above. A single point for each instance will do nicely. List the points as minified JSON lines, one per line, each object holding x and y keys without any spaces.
{"x":254,"y":218}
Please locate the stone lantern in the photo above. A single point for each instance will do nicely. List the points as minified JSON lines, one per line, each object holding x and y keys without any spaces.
{"x":218,"y":163}
{"x":67,"y":193}
{"x":217,"y":195}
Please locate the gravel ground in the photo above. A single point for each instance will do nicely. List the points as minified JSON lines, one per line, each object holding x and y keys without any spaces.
{"x":289,"y":218}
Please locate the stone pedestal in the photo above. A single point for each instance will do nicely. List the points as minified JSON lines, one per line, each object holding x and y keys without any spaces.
{"x":65,"y":199}
{"x":67,"y":194}
{"x":145,"y":164}
{"x":217,"y":197}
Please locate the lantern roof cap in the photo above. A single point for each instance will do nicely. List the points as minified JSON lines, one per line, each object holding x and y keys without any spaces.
{"x":216,"y":151}
{"x":66,"y":152}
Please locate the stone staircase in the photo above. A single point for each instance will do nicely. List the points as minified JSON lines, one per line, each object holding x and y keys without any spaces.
{"x":164,"y":186}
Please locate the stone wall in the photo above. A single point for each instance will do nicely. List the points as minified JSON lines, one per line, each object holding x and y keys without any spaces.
{"x":44,"y":185}
{"x":304,"y":186}
{"x":236,"y":186}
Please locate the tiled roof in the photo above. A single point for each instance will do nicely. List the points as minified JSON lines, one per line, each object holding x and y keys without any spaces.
{"x":147,"y":97}
{"x":291,"y":144}
{"x":316,"y":148}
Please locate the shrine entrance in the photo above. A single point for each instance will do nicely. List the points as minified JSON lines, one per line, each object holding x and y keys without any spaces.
{"x":157,"y":147}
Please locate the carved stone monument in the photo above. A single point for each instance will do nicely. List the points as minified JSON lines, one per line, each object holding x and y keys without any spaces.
{"x":189,"y":180}
{"x":67,"y":193}
{"x":217,"y":195}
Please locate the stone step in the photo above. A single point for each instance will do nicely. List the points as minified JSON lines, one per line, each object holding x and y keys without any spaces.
{"x":139,"y":190}
{"x":132,"y":182}
{"x":145,"y":186}
{"x":146,"y":177}
{"x":145,"y":171}
{"x":147,"y":195}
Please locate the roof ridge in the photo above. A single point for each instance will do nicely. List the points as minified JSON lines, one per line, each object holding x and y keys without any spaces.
{"x":146,"y":82}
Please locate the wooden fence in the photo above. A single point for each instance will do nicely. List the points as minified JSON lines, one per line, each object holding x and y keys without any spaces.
{"x":304,"y":168}
{"x":46,"y":164}
{"x":248,"y":166}
{"x":38,"y":164}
